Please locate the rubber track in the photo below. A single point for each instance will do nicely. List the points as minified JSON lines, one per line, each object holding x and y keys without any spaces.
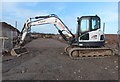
{"x":90,"y":49}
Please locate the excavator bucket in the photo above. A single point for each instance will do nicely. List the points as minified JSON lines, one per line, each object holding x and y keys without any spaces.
{"x":18,"y":51}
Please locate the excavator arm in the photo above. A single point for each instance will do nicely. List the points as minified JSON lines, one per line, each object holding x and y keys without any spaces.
{"x":50,"y":19}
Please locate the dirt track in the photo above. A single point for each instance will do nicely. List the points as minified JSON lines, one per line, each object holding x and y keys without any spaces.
{"x":46,"y":61}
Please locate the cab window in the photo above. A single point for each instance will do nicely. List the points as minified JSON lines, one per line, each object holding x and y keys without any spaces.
{"x":95,"y":23}
{"x":84,"y":25}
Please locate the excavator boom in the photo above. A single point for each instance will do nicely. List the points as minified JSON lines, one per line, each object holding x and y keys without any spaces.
{"x":50,"y":19}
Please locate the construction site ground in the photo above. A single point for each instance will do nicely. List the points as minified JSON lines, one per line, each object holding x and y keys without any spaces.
{"x":46,"y":61}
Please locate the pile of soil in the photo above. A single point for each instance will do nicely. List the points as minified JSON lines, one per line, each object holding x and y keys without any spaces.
{"x":112,"y":41}
{"x":46,"y":61}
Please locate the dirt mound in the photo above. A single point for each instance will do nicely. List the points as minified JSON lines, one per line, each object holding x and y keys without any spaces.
{"x":46,"y":61}
{"x":112,"y":40}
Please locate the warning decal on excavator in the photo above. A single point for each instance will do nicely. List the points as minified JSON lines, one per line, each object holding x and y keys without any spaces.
{"x":94,"y":36}
{"x":61,"y":25}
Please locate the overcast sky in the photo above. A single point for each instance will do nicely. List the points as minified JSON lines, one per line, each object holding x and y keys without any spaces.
{"x":67,"y":11}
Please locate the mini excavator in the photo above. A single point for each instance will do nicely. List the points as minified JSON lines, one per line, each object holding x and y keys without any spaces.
{"x":88,"y":42}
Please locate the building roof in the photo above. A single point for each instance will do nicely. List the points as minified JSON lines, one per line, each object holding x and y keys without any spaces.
{"x":6,"y":25}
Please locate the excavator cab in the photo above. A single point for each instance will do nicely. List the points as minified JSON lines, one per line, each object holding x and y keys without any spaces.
{"x":89,"y":23}
{"x":89,"y":32}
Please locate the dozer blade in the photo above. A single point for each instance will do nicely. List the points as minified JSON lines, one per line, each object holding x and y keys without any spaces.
{"x":18,"y":51}
{"x":84,"y":53}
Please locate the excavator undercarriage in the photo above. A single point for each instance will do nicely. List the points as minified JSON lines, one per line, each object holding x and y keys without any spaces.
{"x":76,"y":52}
